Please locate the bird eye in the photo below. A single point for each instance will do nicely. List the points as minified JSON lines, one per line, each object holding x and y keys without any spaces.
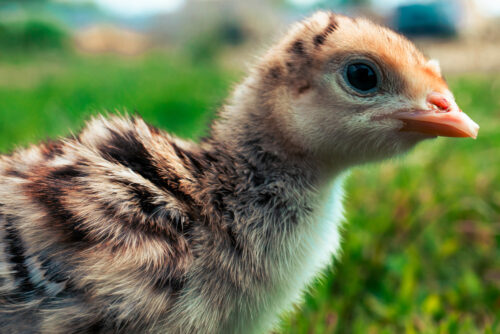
{"x":362,"y":77}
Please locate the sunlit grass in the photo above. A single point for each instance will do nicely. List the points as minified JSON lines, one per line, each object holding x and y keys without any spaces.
{"x":50,"y":94}
{"x":421,"y":244}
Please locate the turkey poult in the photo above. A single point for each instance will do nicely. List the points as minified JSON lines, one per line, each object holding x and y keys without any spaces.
{"x":126,"y":229}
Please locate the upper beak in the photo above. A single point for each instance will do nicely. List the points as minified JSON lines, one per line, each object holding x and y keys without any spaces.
{"x":443,"y":118}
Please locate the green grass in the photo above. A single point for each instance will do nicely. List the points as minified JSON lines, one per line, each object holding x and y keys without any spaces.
{"x":421,"y":244}
{"x":50,"y":94}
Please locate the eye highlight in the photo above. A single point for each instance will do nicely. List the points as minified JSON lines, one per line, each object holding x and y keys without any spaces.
{"x":362,"y":77}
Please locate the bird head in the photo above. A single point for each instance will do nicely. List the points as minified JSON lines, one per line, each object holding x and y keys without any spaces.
{"x":350,"y":89}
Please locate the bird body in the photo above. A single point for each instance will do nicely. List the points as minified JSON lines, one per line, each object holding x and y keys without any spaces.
{"x":124,"y":228}
{"x":129,"y":217}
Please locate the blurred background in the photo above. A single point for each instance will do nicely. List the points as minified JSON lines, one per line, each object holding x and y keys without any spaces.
{"x":421,"y":246}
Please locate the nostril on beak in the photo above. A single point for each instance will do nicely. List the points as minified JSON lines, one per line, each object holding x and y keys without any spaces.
{"x":439,"y":101}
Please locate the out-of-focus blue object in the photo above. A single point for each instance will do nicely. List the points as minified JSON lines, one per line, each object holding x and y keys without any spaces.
{"x":435,"y":18}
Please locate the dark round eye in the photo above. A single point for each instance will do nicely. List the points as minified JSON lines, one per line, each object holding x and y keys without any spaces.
{"x":362,"y":77}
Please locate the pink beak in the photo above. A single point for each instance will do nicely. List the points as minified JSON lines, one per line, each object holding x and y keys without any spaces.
{"x":444,"y":118}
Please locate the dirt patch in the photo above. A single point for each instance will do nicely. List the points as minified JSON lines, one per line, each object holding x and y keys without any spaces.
{"x":464,"y":56}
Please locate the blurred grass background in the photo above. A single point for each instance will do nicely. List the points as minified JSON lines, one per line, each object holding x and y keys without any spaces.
{"x":421,"y":244}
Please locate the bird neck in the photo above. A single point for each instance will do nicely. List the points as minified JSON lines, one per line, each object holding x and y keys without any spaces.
{"x":249,"y":127}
